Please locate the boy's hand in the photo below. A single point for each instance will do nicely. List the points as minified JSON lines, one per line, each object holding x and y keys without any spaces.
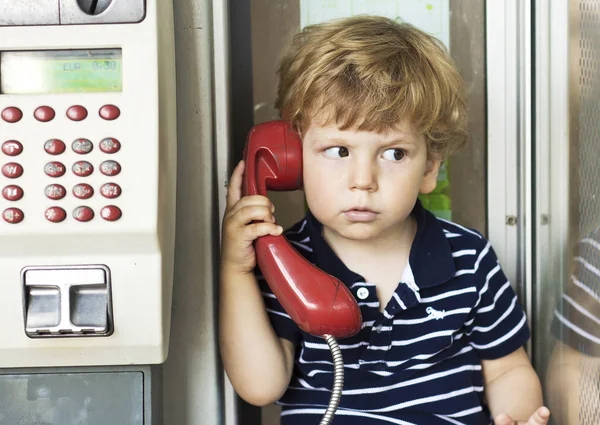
{"x":540,"y":417}
{"x":246,"y":219}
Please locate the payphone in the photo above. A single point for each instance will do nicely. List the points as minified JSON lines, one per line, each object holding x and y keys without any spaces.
{"x":87,"y":181}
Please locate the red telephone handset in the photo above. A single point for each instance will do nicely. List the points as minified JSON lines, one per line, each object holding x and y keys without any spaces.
{"x":317,"y":302}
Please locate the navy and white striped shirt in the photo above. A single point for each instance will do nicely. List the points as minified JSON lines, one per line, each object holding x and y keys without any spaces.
{"x":577,"y":316}
{"x":418,"y":361}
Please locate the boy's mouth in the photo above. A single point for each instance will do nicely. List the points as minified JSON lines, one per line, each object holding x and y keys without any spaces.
{"x":360,"y":214}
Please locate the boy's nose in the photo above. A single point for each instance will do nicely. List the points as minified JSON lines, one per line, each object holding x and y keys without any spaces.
{"x":363,"y":176}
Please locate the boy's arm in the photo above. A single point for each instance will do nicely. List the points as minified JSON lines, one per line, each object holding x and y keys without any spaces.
{"x":258,"y":363}
{"x":513,"y":388}
{"x":497,"y":330}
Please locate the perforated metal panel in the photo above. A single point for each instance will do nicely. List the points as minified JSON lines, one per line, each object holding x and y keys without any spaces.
{"x":589,"y":183}
{"x":589,"y":116}
{"x":589,"y":392}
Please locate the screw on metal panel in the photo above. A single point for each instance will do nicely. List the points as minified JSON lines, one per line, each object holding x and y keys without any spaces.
{"x":545,"y":219}
{"x":511,"y":220}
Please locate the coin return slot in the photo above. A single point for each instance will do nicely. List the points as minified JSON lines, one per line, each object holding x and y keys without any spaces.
{"x":67,"y":302}
{"x":43,"y":306}
{"x":88,"y":307}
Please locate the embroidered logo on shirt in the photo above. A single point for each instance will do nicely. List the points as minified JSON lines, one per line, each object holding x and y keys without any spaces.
{"x":435,"y":314}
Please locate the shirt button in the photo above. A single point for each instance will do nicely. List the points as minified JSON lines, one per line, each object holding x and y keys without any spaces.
{"x":362,"y":293}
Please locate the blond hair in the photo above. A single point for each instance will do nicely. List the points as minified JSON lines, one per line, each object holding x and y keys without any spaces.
{"x":371,"y":73}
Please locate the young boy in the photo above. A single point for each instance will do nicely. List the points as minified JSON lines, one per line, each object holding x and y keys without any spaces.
{"x":378,"y":105}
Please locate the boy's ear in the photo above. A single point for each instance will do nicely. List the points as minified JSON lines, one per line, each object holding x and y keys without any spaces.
{"x":429,"y":181}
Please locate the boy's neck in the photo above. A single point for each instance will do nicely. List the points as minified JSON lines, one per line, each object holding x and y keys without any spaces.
{"x":393,"y":245}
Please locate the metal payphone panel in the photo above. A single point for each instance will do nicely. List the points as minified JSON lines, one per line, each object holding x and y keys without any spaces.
{"x":70,"y":12}
{"x":40,"y":12}
{"x":79,"y":396}
{"x":101,"y":11}
{"x":87,"y":182}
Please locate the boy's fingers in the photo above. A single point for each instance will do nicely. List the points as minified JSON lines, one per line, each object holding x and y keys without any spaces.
{"x":252,"y":213}
{"x":234,"y":187}
{"x":540,"y":417}
{"x":251,"y":201}
{"x":256,"y":230}
{"x":259,"y":200}
{"x":503,"y":419}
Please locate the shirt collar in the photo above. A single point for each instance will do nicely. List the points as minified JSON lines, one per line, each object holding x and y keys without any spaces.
{"x":430,"y":259}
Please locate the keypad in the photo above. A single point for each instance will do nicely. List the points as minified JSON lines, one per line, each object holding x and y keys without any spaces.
{"x":110,"y":145}
{"x":44,"y":114}
{"x":83,"y":168}
{"x":13,"y":215}
{"x":83,"y":191}
{"x":60,"y":163}
{"x":110,"y":213}
{"x":55,"y":147}
{"x":11,"y":114}
{"x":12,"y":170}
{"x":12,"y":148}
{"x":82,"y":146}
{"x":110,"y":190}
{"x":83,"y":213}
{"x":55,"y":214}
{"x":110,"y":168}
{"x":55,"y":192}
{"x":55,"y":169}
{"x":77,"y":113}
{"x":109,"y":112}
{"x":12,"y":192}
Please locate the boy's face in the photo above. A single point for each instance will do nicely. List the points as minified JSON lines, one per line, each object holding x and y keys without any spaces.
{"x":363,"y":185}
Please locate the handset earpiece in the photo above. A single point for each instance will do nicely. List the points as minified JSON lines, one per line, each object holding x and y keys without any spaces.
{"x":317,"y":302}
{"x":275,"y":154}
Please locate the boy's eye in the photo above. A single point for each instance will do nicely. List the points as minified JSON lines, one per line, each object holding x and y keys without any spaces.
{"x":394,"y":154}
{"x":337,"y":152}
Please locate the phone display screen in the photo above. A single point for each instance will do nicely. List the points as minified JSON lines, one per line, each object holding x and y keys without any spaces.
{"x":61,"y":71}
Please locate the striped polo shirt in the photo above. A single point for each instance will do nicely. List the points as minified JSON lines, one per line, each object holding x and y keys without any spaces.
{"x":577,"y":316}
{"x":418,"y":360}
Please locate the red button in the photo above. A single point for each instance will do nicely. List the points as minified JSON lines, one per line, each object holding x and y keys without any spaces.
{"x":12,"y":193}
{"x":44,"y":114}
{"x":110,"y":145}
{"x":82,"y":146}
{"x":110,"y":190}
{"x":54,"y":169}
{"x":55,"y":191}
{"x":13,"y":215}
{"x":83,"y":168}
{"x":55,"y":214}
{"x":12,"y":148}
{"x":110,"y":168}
{"x":77,"y":113}
{"x":55,"y":147}
{"x":83,"y":214}
{"x":83,"y":191}
{"x":110,"y":213}
{"x":110,"y":112}
{"x":12,"y":170}
{"x":12,"y":114}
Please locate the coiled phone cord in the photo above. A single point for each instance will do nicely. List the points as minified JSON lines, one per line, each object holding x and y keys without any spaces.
{"x":338,"y":380}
